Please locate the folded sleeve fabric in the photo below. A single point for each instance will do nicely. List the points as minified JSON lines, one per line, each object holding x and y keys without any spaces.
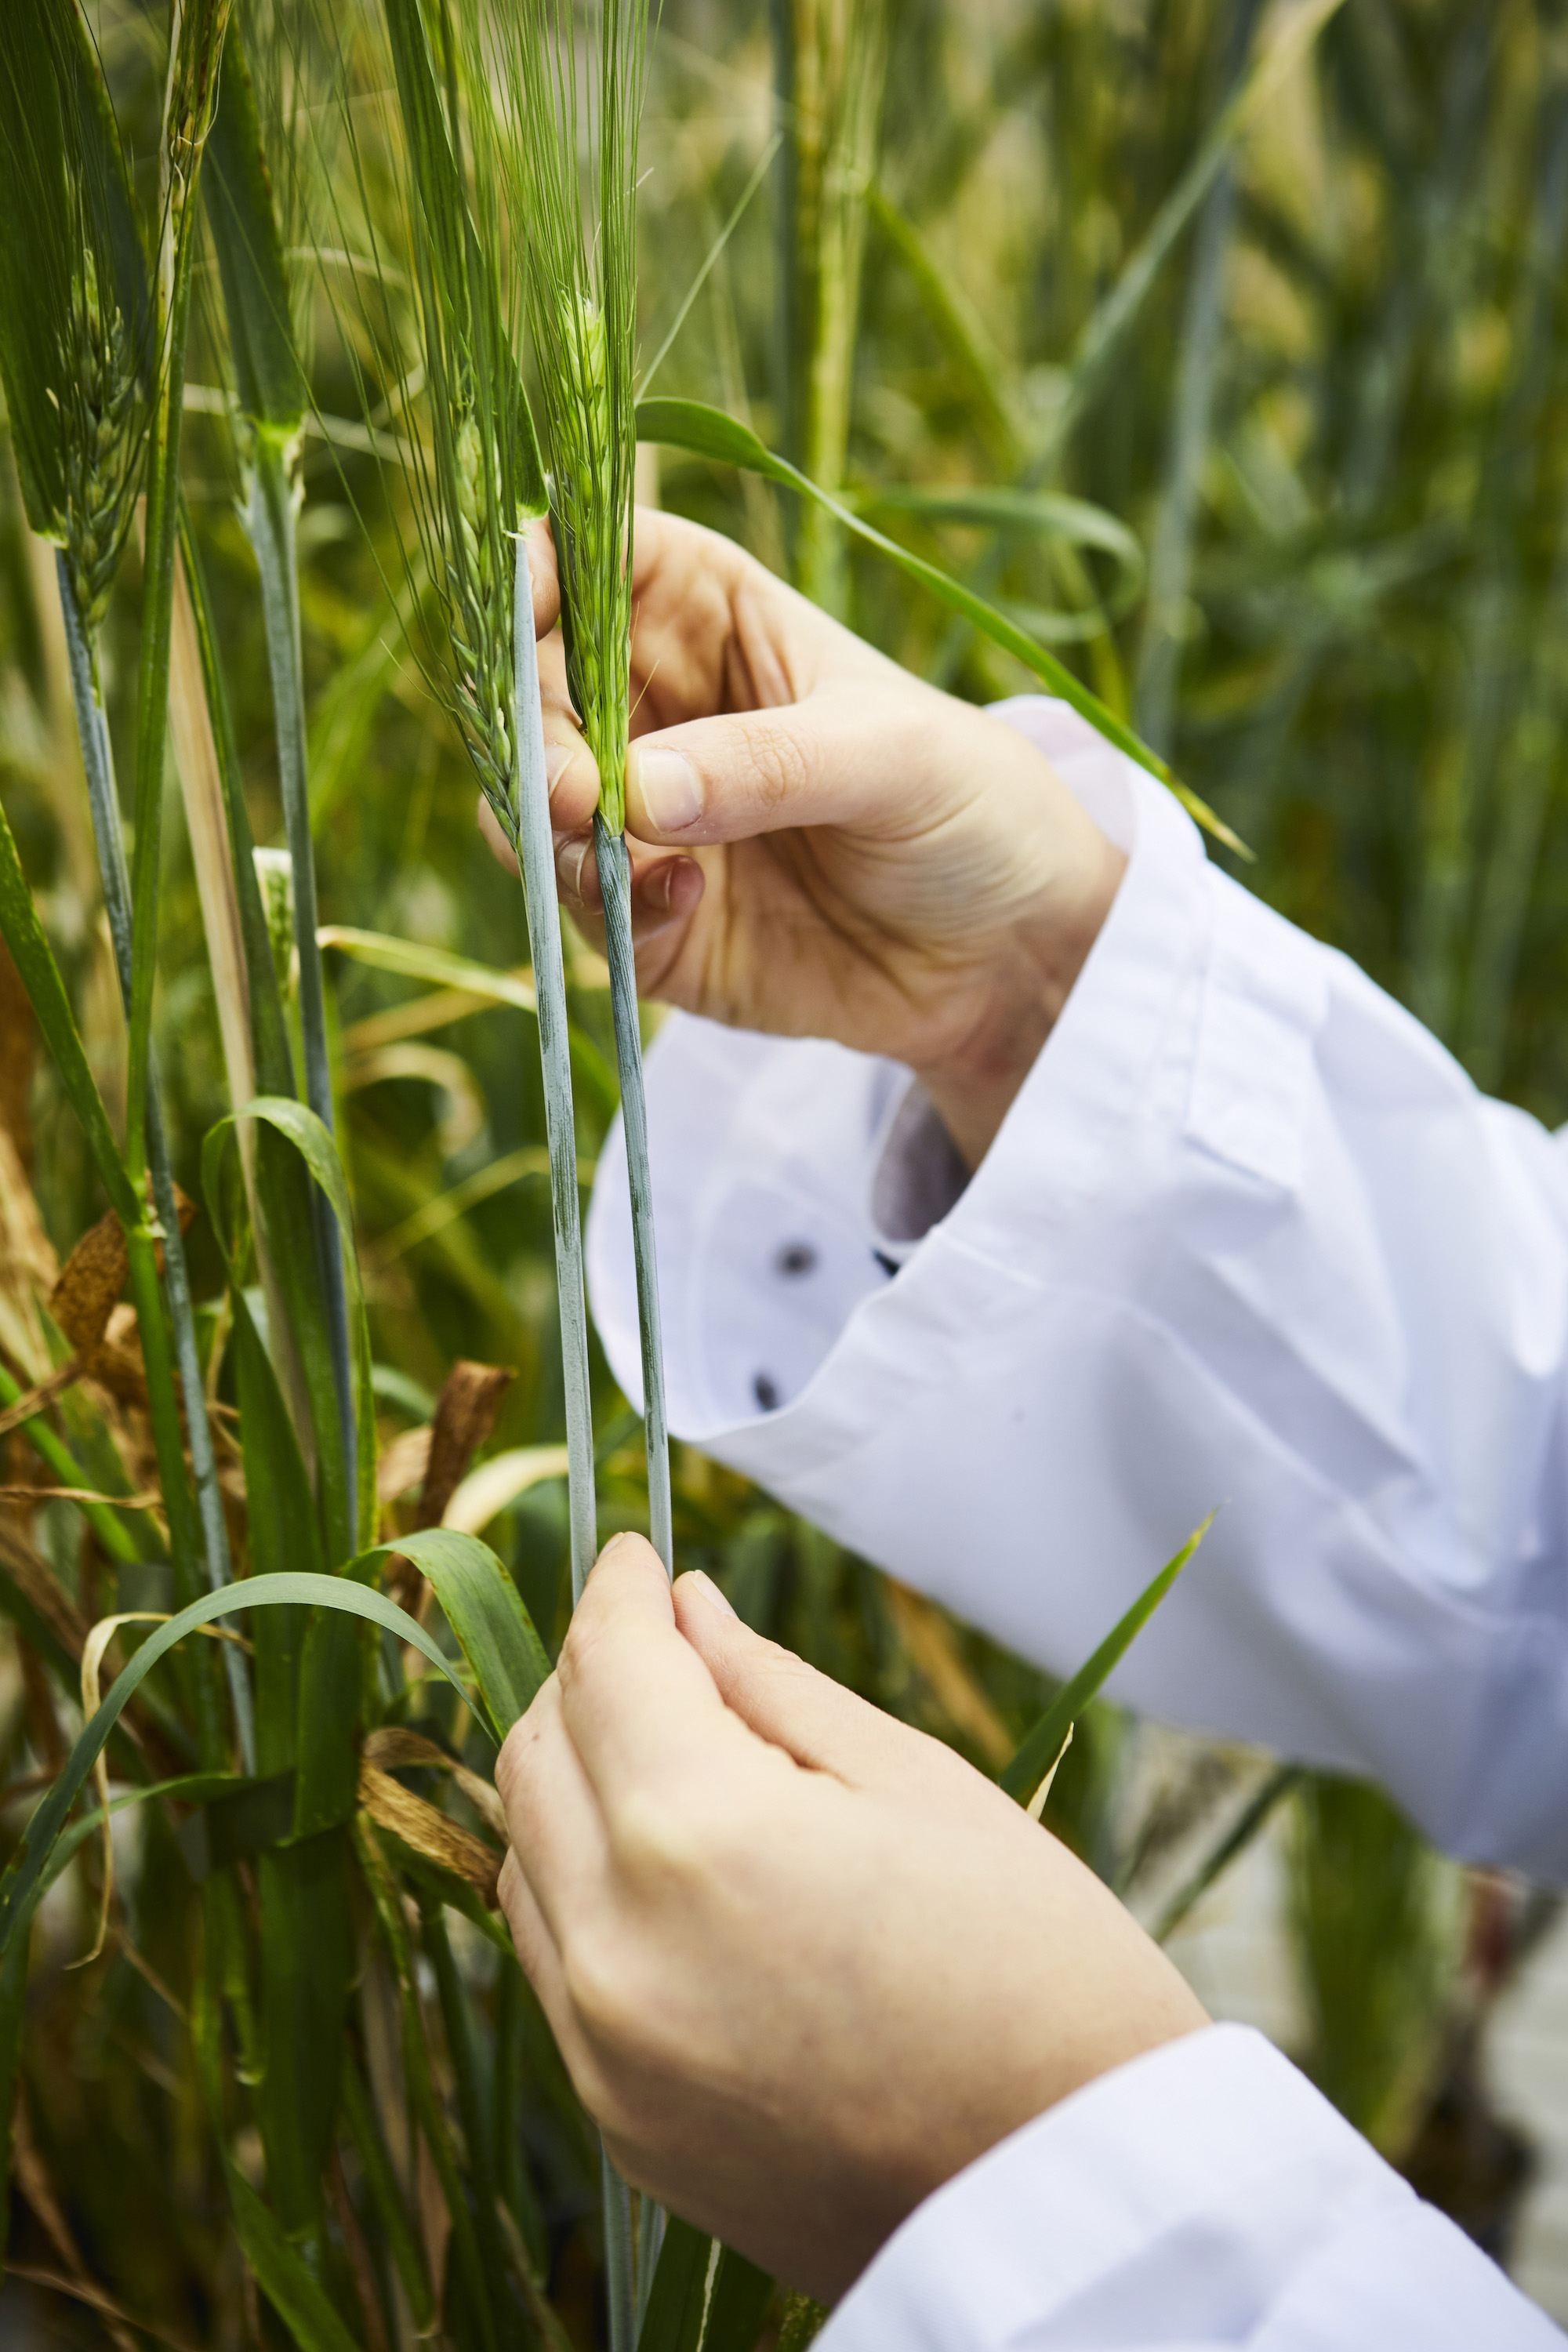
{"x":1249,"y":1239}
{"x":1204,"y":2196}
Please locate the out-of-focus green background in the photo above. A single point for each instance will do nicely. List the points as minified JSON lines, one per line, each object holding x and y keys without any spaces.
{"x":1299,"y":330}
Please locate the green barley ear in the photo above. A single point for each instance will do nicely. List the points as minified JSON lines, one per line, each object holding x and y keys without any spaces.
{"x":578,"y":217}
{"x":475,"y":470}
{"x":74,"y":333}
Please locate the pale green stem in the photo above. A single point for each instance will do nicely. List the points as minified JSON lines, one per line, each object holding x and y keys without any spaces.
{"x":617,"y":2254}
{"x":650,"y":2242}
{"x":269,"y":523}
{"x":536,"y":855}
{"x":1170,"y":565}
{"x":616,"y":888}
{"x":98,"y":759}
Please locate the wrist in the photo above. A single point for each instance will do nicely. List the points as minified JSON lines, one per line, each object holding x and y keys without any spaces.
{"x":1030,"y":974}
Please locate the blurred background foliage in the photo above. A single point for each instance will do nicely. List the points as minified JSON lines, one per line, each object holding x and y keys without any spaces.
{"x":1318,"y":370}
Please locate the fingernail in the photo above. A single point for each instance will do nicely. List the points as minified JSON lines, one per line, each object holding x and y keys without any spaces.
{"x":558,"y":758}
{"x":671,"y":793}
{"x":569,"y":869}
{"x":704,"y":1588}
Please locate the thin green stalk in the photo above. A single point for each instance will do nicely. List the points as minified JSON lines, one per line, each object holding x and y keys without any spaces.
{"x":92,"y":726}
{"x":381,"y":2180}
{"x":478,"y":2132}
{"x":614,"y":883}
{"x":537,"y":858}
{"x":269,"y":523}
{"x":1169,"y":567}
{"x":651,"y":2222}
{"x":196,"y":35}
{"x":1240,"y":1834}
{"x":422,"y":2096}
{"x":116,"y":1538}
{"x":833,"y":60}
{"x":618,"y":2288}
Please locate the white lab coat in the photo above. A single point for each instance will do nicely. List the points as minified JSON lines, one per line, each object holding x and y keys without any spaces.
{"x":1248,"y":1237}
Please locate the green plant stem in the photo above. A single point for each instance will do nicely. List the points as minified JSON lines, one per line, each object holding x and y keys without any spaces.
{"x":153,"y":682}
{"x":478,"y":2132}
{"x":381,"y":2180}
{"x":1240,"y":1834}
{"x":422,"y":2098}
{"x":651,"y":2221}
{"x":1169,"y":567}
{"x":269,"y":522}
{"x":616,"y":887}
{"x":618,"y":2288}
{"x":537,"y":858}
{"x":92,"y":727}
{"x":115,"y":1537}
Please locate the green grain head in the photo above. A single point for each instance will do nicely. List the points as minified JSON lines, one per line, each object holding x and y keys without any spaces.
{"x":74,"y":327}
{"x":571,"y":157}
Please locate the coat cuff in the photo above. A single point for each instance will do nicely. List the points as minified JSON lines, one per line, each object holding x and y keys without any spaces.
{"x":1205,"y":2193}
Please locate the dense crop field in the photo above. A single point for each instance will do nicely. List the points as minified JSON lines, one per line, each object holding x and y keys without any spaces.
{"x":1221,"y":349}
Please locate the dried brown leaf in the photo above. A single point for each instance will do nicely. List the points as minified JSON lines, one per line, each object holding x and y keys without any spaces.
{"x":465,"y":1416}
{"x":430,"y":1832}
{"x":28,"y":1267}
{"x":403,"y":1464}
{"x":394,"y":1744}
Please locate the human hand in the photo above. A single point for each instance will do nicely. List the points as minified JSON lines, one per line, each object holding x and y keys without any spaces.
{"x":821,"y":845}
{"x":802,"y":1962}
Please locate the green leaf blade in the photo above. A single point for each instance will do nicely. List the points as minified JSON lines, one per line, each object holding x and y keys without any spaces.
{"x":1044,"y":1744}
{"x":244,"y":225}
{"x":707,"y":432}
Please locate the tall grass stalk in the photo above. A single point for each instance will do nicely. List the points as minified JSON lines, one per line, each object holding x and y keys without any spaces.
{"x":580,"y":292}
{"x":831,"y":67}
{"x":270,"y":520}
{"x":270,"y":410}
{"x":576,"y":203}
{"x":1171,"y":558}
{"x":77,"y":367}
{"x":536,"y":857}
{"x":97,"y":760}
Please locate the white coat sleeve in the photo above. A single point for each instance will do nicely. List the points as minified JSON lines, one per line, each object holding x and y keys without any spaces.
{"x":1247,"y":1238}
{"x":1204,"y":2196}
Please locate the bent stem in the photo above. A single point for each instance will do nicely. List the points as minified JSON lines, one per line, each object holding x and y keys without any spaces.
{"x":269,"y":526}
{"x":616,"y":887}
{"x":92,"y":727}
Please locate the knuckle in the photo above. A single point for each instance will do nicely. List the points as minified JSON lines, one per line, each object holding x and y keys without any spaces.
{"x":601,"y":1987}
{"x":654,"y":1838}
{"x":779,"y":766}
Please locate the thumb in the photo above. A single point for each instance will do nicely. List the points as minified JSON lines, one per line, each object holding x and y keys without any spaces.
{"x":811,"y":1718}
{"x":543,"y":577}
{"x":824,"y":761}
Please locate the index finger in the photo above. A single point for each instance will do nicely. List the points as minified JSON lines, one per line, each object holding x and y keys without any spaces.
{"x":636,"y":1698}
